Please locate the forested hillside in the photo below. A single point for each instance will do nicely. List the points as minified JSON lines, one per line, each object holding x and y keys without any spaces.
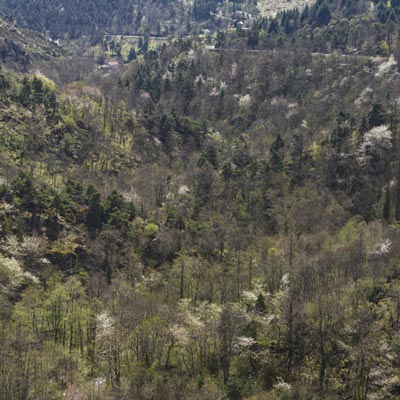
{"x":210,"y":217}
{"x":172,"y":18}
{"x":95,"y":17}
{"x":21,"y":49}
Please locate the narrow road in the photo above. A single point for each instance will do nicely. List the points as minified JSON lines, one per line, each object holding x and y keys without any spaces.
{"x":349,"y":57}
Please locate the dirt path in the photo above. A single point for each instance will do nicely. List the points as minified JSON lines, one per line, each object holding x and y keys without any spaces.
{"x":349,"y":57}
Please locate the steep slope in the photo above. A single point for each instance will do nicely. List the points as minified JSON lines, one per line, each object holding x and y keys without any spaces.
{"x":156,"y":17}
{"x":98,"y":16}
{"x":21,"y":47}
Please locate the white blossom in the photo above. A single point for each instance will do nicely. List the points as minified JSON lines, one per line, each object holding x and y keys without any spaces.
{"x":271,"y":318}
{"x":194,"y":322}
{"x":244,"y":343}
{"x":214,"y":92}
{"x":100,"y":381}
{"x":386,"y":66}
{"x":378,"y":138}
{"x":249,"y":296}
{"x":285,"y":282}
{"x":199,"y":79}
{"x":31,"y":245}
{"x":180,"y":334}
{"x":11,"y":245}
{"x":304,"y":124}
{"x":215,"y":135}
{"x":105,"y":324}
{"x":28,"y":275}
{"x":376,"y":372}
{"x":382,"y":248}
{"x":191,"y":55}
{"x":234,"y":70}
{"x":217,"y":90}
{"x":282,"y":386}
{"x":183,"y":190}
{"x":8,"y":208}
{"x":245,"y":101}
{"x":12,"y":268}
{"x":364,"y":97}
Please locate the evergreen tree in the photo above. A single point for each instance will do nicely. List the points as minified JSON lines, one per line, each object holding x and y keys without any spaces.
{"x":95,"y":212}
{"x":276,"y":154}
{"x":323,"y":15}
{"x":132,"y":54}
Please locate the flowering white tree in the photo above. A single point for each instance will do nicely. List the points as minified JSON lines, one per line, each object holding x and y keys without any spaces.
{"x":375,"y":141}
{"x":11,"y":271}
{"x":194,"y":335}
